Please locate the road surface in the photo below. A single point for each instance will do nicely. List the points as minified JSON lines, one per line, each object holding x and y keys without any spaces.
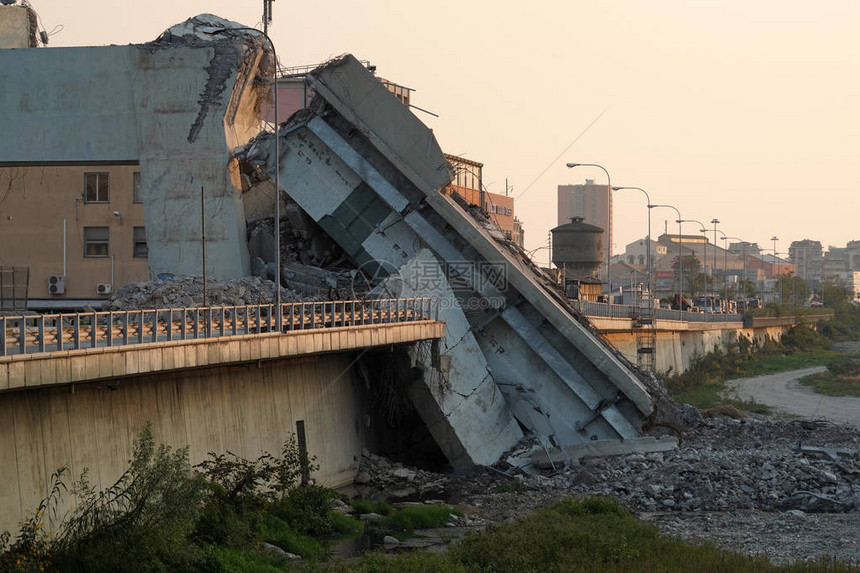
{"x":784,"y":394}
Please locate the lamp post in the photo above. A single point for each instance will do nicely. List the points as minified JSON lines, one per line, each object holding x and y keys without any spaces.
{"x":277,"y":214}
{"x":608,"y":217}
{"x":714,"y":268}
{"x":726,"y":260}
{"x":702,"y":230}
{"x":680,"y":252}
{"x":773,"y":264}
{"x":648,"y":252}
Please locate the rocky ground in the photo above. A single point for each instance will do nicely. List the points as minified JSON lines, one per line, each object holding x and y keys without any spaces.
{"x":790,"y":489}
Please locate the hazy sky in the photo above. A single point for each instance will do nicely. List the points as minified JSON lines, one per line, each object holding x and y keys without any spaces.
{"x":744,"y":111}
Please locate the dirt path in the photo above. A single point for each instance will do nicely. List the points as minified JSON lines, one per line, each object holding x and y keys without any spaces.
{"x":783,"y":393}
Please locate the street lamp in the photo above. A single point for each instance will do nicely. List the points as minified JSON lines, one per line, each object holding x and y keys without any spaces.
{"x":608,"y":216}
{"x":648,"y":252}
{"x":680,"y":252}
{"x":726,"y":259}
{"x":702,"y":230}
{"x":773,"y":264}
{"x":278,"y":310}
{"x":714,"y":268}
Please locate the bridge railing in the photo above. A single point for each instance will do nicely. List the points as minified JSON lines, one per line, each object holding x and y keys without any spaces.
{"x":56,"y":332}
{"x":627,"y":311}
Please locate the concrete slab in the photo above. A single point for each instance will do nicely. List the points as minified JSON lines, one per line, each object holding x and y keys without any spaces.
{"x":599,"y":448}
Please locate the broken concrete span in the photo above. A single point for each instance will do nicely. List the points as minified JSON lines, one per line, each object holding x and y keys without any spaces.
{"x":369,"y":172}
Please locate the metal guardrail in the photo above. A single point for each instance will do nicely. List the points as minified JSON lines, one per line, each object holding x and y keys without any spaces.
{"x":627,"y":311}
{"x":57,"y":332}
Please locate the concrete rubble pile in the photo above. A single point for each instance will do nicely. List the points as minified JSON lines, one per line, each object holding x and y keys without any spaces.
{"x":728,"y":480}
{"x":182,"y":292}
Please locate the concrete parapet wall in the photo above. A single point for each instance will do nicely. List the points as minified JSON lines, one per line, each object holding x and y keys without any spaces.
{"x":21,"y":372}
{"x":245,"y":409}
{"x":676,"y":348}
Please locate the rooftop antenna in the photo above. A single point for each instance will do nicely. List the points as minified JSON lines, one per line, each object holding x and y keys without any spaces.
{"x":267,"y":15}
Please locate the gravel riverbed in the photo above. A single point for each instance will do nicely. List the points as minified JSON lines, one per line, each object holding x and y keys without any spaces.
{"x":787,"y":488}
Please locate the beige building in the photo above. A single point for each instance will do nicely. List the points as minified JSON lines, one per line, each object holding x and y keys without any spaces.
{"x":117,"y":140}
{"x":78,"y":228}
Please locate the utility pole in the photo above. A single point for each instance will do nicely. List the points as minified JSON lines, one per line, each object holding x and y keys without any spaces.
{"x":267,"y":15}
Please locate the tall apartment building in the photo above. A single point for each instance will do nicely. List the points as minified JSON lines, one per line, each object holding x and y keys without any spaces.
{"x":808,"y":258}
{"x":590,"y":201}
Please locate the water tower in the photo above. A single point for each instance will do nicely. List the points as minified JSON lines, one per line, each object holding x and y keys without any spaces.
{"x":577,"y":251}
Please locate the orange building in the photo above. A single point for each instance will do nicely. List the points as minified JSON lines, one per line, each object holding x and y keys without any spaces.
{"x":467,"y":183}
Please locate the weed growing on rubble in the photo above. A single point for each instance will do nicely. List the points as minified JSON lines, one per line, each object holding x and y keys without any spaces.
{"x":592,"y":534}
{"x":422,"y":517}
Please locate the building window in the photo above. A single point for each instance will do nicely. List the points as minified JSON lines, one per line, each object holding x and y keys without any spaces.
{"x":135,"y":187}
{"x":96,"y":241}
{"x":140,"y":249}
{"x":96,"y":187}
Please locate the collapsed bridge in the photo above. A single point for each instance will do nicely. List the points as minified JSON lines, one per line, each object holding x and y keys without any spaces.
{"x":514,"y":356}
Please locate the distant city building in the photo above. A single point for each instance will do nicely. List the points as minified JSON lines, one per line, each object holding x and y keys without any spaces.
{"x":591,"y":202}
{"x":744,"y":248}
{"x":808,"y":260}
{"x":836,"y":265}
{"x":636,"y":253}
{"x":853,"y":255}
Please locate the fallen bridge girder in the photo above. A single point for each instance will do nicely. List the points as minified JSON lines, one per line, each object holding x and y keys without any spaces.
{"x":355,"y":167}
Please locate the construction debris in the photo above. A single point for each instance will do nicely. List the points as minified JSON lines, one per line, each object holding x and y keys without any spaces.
{"x":183,"y":292}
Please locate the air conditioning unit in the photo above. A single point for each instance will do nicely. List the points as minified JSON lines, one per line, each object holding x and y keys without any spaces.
{"x":103,"y":288}
{"x":57,"y":284}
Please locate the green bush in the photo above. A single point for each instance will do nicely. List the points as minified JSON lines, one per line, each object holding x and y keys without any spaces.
{"x":140,"y":523}
{"x":362,"y":506}
{"x":31,"y":550}
{"x":305,"y":509}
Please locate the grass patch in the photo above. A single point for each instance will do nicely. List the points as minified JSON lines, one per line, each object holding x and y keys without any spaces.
{"x":422,"y":517}
{"x":245,"y":561}
{"x":593,"y":534}
{"x":703,"y":384}
{"x":842,"y":378}
{"x":277,"y":532}
{"x":343,"y":524}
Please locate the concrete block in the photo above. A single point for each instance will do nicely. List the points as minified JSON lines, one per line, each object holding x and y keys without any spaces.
{"x":77,"y":368}
{"x":639,"y":444}
{"x":293,"y":346}
{"x":32,"y":373}
{"x":16,"y":374}
{"x":156,"y":362}
{"x":178,"y":357}
{"x":62,"y":372}
{"x":167,"y":362}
